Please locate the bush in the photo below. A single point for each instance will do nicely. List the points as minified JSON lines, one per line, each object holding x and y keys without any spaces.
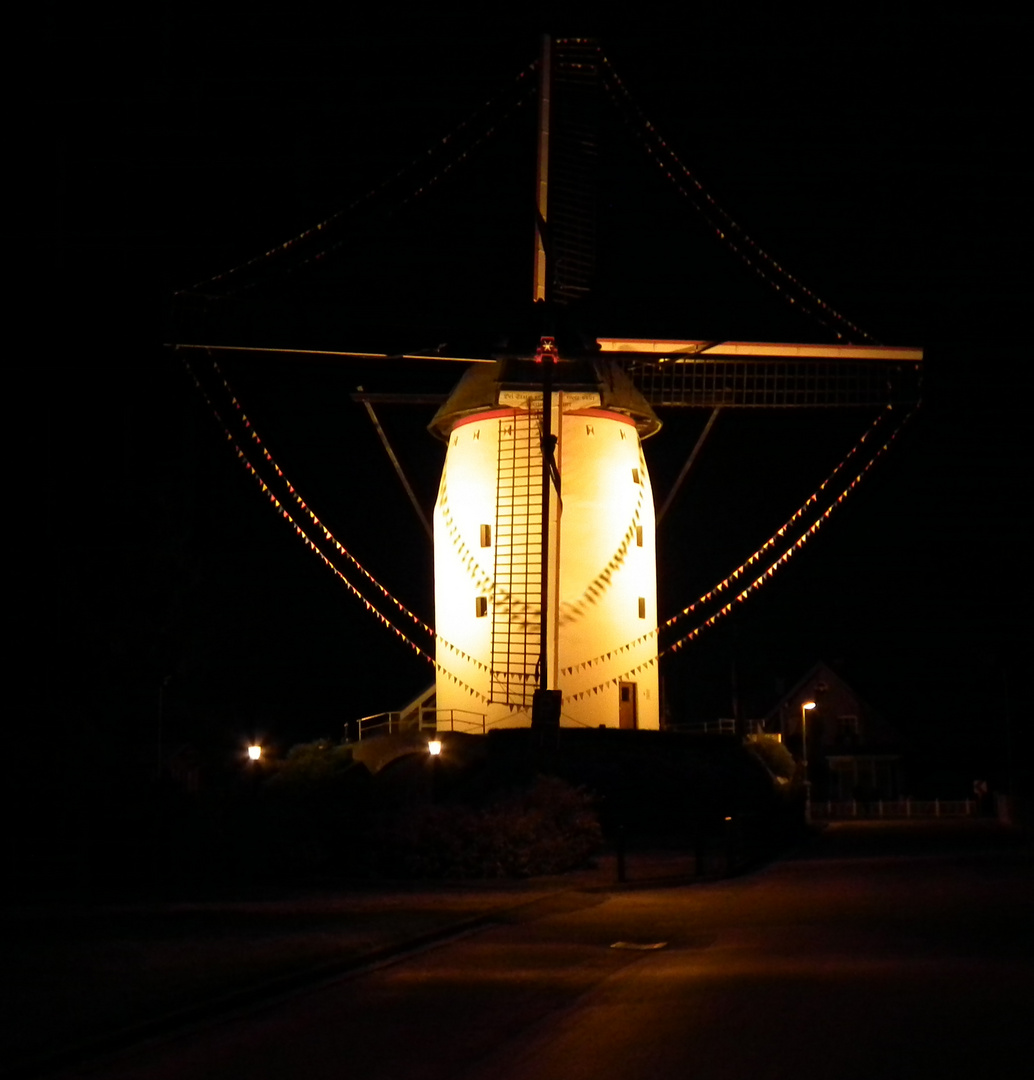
{"x":545,"y":829}
{"x":313,"y":806}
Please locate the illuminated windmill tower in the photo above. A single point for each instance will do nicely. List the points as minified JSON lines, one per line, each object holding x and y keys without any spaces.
{"x":598,"y":563}
{"x":545,"y":567}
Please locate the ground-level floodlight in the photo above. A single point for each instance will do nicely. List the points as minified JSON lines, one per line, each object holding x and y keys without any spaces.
{"x":254,"y":752}
{"x":434,"y":747}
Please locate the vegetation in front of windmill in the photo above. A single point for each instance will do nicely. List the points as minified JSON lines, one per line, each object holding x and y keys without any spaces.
{"x":316,"y":807}
{"x":548,"y":827}
{"x":322,"y":815}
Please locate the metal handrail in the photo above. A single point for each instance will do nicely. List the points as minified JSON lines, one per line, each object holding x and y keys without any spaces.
{"x":429,"y":719}
{"x":477,"y":721}
{"x":390,"y":720}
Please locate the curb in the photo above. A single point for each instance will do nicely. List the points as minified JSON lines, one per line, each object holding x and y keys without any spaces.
{"x":256,"y":996}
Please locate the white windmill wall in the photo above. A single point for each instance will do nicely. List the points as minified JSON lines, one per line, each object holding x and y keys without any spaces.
{"x":607,"y":578}
{"x":463,"y":570}
{"x":608,"y":571}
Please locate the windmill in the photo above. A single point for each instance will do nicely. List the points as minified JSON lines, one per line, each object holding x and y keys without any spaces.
{"x":544,"y":529}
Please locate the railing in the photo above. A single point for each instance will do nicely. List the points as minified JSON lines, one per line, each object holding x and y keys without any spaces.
{"x":382,"y":723}
{"x":892,"y":808}
{"x":428,"y":719}
{"x":704,"y":727}
{"x":452,"y":719}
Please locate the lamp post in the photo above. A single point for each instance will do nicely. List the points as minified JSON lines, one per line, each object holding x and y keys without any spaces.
{"x":806,"y":707}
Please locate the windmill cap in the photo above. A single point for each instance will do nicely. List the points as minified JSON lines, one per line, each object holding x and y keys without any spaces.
{"x":478,"y":391}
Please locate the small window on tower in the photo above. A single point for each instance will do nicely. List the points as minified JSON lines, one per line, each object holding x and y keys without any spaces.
{"x":635,"y":476}
{"x":481,"y":606}
{"x":486,"y":535}
{"x":639,"y":536}
{"x":642,"y":607}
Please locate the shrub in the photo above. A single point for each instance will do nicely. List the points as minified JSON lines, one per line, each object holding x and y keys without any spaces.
{"x":545,"y":829}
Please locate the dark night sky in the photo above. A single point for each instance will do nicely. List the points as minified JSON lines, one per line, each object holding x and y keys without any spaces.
{"x":878,"y":158}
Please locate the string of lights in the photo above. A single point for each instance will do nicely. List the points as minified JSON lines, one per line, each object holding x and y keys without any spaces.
{"x":328,"y":535}
{"x":760,"y":580}
{"x":755,"y":556}
{"x":421,"y":190}
{"x":480,"y":665}
{"x":665,"y":158}
{"x":797,"y":545}
{"x":323,"y":227}
{"x":286,"y":515}
{"x":309,"y":543}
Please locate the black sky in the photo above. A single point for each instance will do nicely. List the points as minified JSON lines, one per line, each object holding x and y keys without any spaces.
{"x":877,"y":158}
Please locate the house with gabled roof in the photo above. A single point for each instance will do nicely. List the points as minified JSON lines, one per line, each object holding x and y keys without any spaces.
{"x":853,"y":752}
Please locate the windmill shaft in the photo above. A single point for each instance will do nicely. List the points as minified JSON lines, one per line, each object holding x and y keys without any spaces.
{"x":540,"y":273}
{"x":547,"y":458}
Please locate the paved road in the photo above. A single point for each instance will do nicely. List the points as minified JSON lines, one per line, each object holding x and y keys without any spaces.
{"x":859,"y":959}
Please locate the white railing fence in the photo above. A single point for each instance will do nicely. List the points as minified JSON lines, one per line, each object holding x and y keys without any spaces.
{"x":892,"y":808}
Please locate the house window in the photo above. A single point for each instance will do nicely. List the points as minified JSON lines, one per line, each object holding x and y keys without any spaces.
{"x":642,"y":607}
{"x":481,"y":606}
{"x":847,"y":728}
{"x":486,"y":535}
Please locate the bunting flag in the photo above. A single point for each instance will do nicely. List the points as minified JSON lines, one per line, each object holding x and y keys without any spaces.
{"x":314,"y":548}
{"x":730,"y":233}
{"x":765,"y":576}
{"x":299,"y":531}
{"x":230,"y":282}
{"x":328,"y":535}
{"x":796,"y":517}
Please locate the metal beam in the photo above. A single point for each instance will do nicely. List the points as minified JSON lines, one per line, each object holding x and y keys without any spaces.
{"x":389,"y":398}
{"x":332,"y":354}
{"x":397,"y":465}
{"x":689,"y":464}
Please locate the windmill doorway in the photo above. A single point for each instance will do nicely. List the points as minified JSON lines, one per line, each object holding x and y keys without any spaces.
{"x":628,"y":706}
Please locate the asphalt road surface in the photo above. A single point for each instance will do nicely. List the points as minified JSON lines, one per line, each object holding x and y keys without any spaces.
{"x":864,"y":956}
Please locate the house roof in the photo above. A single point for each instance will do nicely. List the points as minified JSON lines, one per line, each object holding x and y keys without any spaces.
{"x":878,"y":730}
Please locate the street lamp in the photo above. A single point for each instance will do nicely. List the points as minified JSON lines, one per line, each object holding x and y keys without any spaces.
{"x":806,"y":707}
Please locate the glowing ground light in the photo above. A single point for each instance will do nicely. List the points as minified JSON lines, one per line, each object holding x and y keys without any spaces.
{"x":434,"y":747}
{"x":254,"y":752}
